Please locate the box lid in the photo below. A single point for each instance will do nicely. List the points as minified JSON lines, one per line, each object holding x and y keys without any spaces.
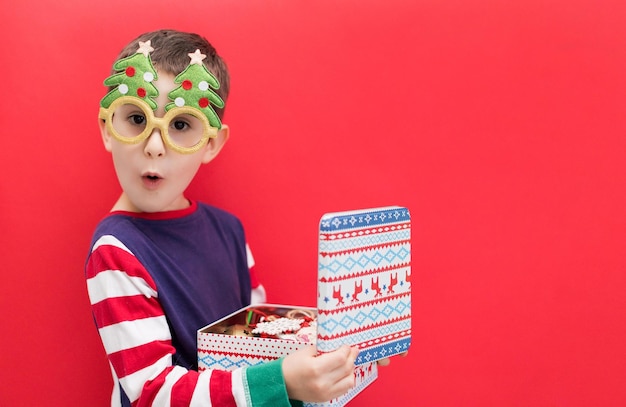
{"x":364,"y":281}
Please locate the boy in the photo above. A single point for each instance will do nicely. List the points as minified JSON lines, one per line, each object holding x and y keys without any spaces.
{"x":161,"y":266}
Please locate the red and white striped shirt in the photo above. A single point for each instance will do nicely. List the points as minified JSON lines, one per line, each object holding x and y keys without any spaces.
{"x":153,"y":280}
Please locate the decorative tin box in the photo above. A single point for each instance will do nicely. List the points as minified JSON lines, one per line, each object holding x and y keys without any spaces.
{"x":364,"y":281}
{"x":227,"y":345}
{"x":364,"y":300}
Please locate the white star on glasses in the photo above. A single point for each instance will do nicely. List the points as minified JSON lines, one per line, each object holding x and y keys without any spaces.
{"x":145,"y":48}
{"x":196,"y":57}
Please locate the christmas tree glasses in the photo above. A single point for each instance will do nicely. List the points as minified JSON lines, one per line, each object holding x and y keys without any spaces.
{"x":183,"y":129}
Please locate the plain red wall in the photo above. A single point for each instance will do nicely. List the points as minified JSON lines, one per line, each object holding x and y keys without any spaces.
{"x":499,"y":124}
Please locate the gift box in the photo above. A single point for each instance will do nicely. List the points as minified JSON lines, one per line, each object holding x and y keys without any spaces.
{"x":364,"y":300}
{"x":232,"y":342}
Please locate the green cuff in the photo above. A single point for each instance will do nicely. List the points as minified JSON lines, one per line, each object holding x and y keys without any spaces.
{"x":267,"y":385}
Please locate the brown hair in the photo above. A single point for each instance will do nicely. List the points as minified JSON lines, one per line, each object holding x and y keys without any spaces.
{"x":170,"y":55}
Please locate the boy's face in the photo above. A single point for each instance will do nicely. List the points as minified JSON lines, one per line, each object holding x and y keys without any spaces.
{"x":152,"y":176}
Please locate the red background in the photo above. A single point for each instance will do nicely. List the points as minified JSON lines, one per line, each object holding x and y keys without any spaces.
{"x":499,"y":124}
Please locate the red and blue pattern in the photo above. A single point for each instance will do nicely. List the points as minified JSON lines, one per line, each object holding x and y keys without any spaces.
{"x":364,"y":282}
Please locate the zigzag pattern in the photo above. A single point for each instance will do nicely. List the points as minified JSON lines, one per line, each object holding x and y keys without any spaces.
{"x":356,"y":250}
{"x":228,"y":362}
{"x":363,"y":260}
{"x":325,"y":309}
{"x":349,"y":242}
{"x":366,"y":339}
{"x":361,"y":274}
{"x":399,"y":323}
{"x":259,"y":351}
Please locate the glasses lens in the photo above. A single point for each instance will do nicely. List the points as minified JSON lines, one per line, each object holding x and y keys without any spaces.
{"x":129,"y":120}
{"x":186,"y":130}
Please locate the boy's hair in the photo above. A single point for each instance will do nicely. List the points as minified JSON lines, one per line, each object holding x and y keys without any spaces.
{"x":170,"y":55}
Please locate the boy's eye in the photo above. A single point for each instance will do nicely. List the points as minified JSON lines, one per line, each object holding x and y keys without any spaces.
{"x":179,"y":125}
{"x":137,"y":119}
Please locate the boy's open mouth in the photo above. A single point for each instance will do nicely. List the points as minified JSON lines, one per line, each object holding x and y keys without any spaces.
{"x":151,"y":180}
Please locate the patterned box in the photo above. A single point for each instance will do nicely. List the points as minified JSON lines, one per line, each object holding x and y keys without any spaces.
{"x":364,"y":281}
{"x":364,"y":299}
{"x":218,"y":348}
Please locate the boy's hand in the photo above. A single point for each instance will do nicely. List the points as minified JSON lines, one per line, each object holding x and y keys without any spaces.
{"x":319,"y":378}
{"x":387,"y":361}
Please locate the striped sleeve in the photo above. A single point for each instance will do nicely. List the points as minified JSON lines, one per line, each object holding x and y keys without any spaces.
{"x":258,"y":294}
{"x":138,"y":341}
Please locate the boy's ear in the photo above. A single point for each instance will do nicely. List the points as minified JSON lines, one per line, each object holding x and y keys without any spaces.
{"x":215,"y":144}
{"x":106,"y":137}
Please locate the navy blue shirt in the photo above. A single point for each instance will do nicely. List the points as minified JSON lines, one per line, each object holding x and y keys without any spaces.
{"x":197,"y":259}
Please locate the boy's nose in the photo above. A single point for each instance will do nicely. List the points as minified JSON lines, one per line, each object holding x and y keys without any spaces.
{"x":155,"y":147}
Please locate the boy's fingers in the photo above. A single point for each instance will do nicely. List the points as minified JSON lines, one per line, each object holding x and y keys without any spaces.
{"x":354,"y":353}
{"x":387,"y":361}
{"x":309,"y":350}
{"x":384,"y":362}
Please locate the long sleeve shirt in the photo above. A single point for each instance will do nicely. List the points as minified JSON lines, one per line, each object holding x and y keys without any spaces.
{"x":154,"y":280}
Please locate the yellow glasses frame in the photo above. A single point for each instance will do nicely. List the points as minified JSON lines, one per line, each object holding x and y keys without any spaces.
{"x":161,"y":123}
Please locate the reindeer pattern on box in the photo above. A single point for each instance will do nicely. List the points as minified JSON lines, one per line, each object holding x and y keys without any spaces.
{"x":364,"y":282}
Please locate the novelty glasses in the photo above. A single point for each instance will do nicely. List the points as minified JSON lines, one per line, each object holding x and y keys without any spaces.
{"x":183,"y":129}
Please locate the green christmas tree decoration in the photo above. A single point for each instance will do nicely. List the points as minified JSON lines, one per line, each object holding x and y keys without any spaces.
{"x":196,"y":90}
{"x":135,"y":78}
